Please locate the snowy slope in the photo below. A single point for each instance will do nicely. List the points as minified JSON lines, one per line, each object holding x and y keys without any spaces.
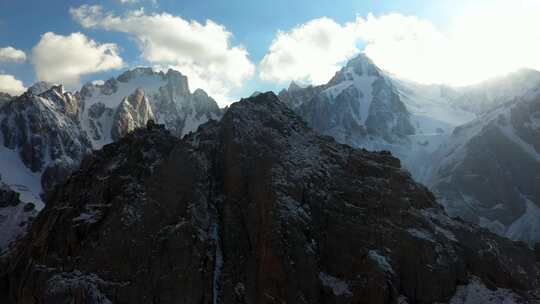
{"x":488,"y":170}
{"x":475,"y":292}
{"x":434,"y":119}
{"x":358,"y":106}
{"x":18,"y":177}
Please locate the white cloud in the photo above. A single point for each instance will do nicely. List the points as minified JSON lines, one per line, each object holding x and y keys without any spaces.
{"x":406,"y":46}
{"x":201,"y":51}
{"x":11,"y":85}
{"x":484,"y":40}
{"x":11,"y":54}
{"x":309,"y":52}
{"x":136,"y":1}
{"x":65,"y":59}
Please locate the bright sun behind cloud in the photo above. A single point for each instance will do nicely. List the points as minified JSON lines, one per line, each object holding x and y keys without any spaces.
{"x":485,"y":40}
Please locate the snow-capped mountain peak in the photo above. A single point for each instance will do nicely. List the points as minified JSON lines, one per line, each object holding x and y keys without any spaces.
{"x":168,"y":95}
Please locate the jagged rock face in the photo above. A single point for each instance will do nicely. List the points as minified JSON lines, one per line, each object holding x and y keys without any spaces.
{"x":39,"y":87}
{"x":44,"y":130}
{"x":489,"y":170}
{"x":167,"y":94}
{"x":65,"y":102}
{"x":388,"y":116}
{"x":255,"y":208}
{"x":355,"y":106}
{"x":295,"y":95}
{"x":133,"y":112}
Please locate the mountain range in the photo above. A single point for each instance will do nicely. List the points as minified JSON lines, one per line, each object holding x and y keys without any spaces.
{"x":255,"y":208}
{"x":337,"y":193}
{"x":475,"y":147}
{"x":46,"y":132}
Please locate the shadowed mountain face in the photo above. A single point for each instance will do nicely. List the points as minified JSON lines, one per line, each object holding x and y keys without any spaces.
{"x":4,"y":98}
{"x":255,"y":208}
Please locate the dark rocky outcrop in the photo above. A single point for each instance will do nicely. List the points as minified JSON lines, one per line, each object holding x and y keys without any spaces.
{"x":255,"y":208}
{"x":15,"y":216}
{"x":4,"y":99}
{"x":8,"y":198}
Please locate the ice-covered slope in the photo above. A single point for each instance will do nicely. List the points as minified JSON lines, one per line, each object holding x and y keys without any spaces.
{"x":358,"y":106}
{"x":364,"y":107}
{"x":167,"y":94}
{"x":488,"y":171}
{"x":434,"y":118}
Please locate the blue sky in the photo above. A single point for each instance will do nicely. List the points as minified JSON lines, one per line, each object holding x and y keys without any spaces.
{"x":253,"y":25}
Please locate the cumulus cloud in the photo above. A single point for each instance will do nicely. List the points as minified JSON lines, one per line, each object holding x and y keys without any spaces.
{"x":11,"y":54}
{"x":65,"y":59}
{"x":309,"y":52}
{"x":484,"y":40}
{"x":11,"y":85}
{"x":201,"y":51}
